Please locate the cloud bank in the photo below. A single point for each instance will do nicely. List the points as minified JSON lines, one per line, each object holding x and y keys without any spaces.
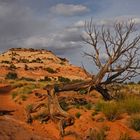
{"x":69,"y":9}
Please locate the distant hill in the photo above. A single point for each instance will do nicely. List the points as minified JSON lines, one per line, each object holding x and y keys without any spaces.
{"x":37,"y":65}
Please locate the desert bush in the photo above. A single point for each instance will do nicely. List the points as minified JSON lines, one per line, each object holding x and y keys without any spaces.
{"x":112,"y":110}
{"x":26,"y":67}
{"x":23,"y":91}
{"x":46,"y":78}
{"x":14,"y":95}
{"x":18,"y":84}
{"x":99,"y":106}
{"x":12,"y":66}
{"x":118,"y":96}
{"x":135,"y":122}
{"x":62,"y":63}
{"x":97,"y":135}
{"x":6,"y":62}
{"x":82,"y":91}
{"x":24,"y":60}
{"x":88,"y":106}
{"x":131,"y":104}
{"x":11,"y":75}
{"x":63,"y":59}
{"x":50,"y":70}
{"x":64,"y":79}
{"x":78,"y":114}
{"x":37,"y":60}
{"x":124,"y":136}
{"x":27,"y":79}
{"x":23,"y":97}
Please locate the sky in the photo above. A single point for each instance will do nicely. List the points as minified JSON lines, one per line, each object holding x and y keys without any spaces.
{"x":57,"y":25}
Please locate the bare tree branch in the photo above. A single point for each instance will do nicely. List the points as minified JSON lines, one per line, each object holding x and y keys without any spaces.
{"x":121,"y":46}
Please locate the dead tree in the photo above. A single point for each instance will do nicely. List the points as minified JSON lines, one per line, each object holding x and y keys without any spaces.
{"x":53,"y":110}
{"x":119,"y":44}
{"x":115,"y":53}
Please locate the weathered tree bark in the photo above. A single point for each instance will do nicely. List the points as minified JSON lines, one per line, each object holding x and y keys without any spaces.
{"x":53,"y":105}
{"x":55,"y":112}
{"x":84,"y":85}
{"x":103,"y":92}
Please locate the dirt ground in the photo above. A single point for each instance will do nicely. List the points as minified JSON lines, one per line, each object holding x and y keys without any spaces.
{"x":14,"y":127}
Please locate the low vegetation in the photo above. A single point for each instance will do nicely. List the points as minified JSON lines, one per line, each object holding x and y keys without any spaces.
{"x":131,"y":104}
{"x":64,"y":79}
{"x":113,"y":109}
{"x":21,"y":91}
{"x":97,"y":134}
{"x":50,"y":70}
{"x":125,"y":136}
{"x":135,"y":122}
{"x":78,"y":114}
{"x":11,"y":75}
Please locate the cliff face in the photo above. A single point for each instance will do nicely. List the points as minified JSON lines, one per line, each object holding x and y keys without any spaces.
{"x":37,"y":64}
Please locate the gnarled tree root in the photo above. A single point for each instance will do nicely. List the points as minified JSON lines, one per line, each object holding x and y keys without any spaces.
{"x":55,"y":112}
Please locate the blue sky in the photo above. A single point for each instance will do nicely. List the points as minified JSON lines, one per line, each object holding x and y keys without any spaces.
{"x":57,"y":24}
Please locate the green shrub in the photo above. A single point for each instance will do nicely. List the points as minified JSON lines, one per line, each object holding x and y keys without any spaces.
{"x":11,"y":75}
{"x":77,"y":106}
{"x":135,"y":122}
{"x":82,"y":91}
{"x":78,"y":114}
{"x":63,"y":79}
{"x":50,"y":70}
{"x":88,"y":106}
{"x":14,"y":95}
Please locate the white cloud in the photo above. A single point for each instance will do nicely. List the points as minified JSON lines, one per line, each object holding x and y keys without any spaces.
{"x":34,"y":41}
{"x":136,"y":20}
{"x":79,"y":24}
{"x":69,"y":9}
